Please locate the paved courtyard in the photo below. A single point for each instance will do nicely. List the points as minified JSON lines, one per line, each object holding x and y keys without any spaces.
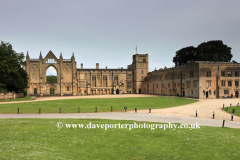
{"x":182,"y":114}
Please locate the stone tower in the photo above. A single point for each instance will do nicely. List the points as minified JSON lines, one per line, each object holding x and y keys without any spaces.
{"x":140,"y":71}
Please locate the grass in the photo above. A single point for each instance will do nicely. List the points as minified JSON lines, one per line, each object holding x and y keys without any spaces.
{"x":41,"y":139}
{"x":27,"y":98}
{"x":230,"y":109}
{"x":89,"y":104}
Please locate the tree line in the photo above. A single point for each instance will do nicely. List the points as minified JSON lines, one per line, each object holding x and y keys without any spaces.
{"x":207,"y":51}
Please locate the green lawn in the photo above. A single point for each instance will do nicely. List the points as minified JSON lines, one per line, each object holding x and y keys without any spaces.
{"x":41,"y":139}
{"x":230,"y":109}
{"x":89,"y":104}
{"x":27,"y":98}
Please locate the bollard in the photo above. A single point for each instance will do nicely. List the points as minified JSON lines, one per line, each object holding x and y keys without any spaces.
{"x":18,"y":110}
{"x":196,"y":113}
{"x":232,"y":117}
{"x":213,"y":114}
{"x":230,"y":104}
{"x":150,"y":109}
{"x":238,"y":104}
{"x":223,"y":105}
{"x":111,"y":109}
{"x":227,"y":109}
{"x":39,"y":110}
{"x":59,"y":110}
{"x":78,"y":109}
{"x":135,"y":109}
{"x":96,"y":109}
{"x":223,"y":123}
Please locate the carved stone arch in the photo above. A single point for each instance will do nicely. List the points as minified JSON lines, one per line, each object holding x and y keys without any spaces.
{"x":50,"y":65}
{"x":34,"y":73}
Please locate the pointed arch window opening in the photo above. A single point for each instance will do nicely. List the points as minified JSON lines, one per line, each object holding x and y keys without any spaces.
{"x":51,"y":75}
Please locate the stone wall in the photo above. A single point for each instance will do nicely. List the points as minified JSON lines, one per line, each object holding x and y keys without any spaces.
{"x":10,"y":95}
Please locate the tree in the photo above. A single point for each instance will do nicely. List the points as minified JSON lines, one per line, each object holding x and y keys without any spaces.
{"x":207,"y":51}
{"x":13,"y":76}
{"x":184,"y":55}
{"x":51,"y":79}
{"x":214,"y":51}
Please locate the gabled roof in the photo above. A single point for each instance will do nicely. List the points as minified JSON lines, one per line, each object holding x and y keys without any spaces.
{"x":51,"y":55}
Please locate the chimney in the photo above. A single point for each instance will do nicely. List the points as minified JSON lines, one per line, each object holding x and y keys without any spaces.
{"x":121,"y":67}
{"x":81,"y":65}
{"x":106,"y":67}
{"x":97,"y":65}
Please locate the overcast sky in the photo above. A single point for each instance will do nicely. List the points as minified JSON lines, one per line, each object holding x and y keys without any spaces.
{"x":107,"y":31}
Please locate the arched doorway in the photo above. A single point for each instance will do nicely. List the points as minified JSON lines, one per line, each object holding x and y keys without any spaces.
{"x":236,"y":94}
{"x":51,"y":90}
{"x":117,"y":91}
{"x":183,"y":93}
{"x":140,"y":91}
{"x":206,"y":94}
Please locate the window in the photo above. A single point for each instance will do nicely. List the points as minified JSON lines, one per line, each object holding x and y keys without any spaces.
{"x":128,"y":75}
{"x":129,"y":84}
{"x":35,"y":90}
{"x":98,"y":76}
{"x":170,"y":91}
{"x":223,"y":74}
{"x":142,"y":78}
{"x":142,"y":71}
{"x":208,"y":73}
{"x":115,"y":78}
{"x":188,"y":85}
{"x":226,"y":91}
{"x":236,"y":83}
{"x":191,"y":74}
{"x":208,"y":84}
{"x":82,"y":84}
{"x":94,"y":78}
{"x":81,"y":76}
{"x":223,"y":83}
{"x":144,"y":60}
{"x":195,"y":84}
{"x":203,"y":92}
{"x":229,"y":83}
{"x":209,"y":92}
{"x":214,"y":92}
{"x":51,"y":61}
{"x":236,"y":74}
{"x":229,"y":74}
{"x":104,"y":78}
{"x":67,"y":88}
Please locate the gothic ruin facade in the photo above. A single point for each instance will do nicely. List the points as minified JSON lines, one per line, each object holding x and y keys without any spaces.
{"x":84,"y":81}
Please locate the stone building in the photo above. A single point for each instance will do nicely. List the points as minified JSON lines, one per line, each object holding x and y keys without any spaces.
{"x":196,"y":80}
{"x":84,"y":81}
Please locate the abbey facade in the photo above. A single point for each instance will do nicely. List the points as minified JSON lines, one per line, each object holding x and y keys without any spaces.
{"x":84,"y":81}
{"x":194,"y":80}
